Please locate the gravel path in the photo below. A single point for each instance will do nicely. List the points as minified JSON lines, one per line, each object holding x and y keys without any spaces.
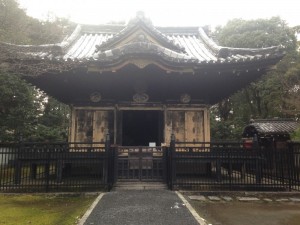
{"x":144,"y":207}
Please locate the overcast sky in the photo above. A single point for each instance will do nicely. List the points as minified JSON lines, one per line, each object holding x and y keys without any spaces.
{"x":165,"y":12}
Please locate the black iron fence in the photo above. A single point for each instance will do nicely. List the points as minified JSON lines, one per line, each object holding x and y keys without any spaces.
{"x":44,"y":167}
{"x":230,"y":166}
{"x":30,"y":167}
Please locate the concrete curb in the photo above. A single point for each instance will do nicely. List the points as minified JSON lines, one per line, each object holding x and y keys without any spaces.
{"x":90,"y":209}
{"x":199,"y":219}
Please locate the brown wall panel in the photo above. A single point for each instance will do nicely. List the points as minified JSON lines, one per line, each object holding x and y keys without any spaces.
{"x":186,"y":125}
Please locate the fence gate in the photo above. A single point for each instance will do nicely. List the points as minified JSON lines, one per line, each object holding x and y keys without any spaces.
{"x":141,"y":163}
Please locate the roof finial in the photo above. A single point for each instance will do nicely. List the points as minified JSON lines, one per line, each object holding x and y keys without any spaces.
{"x":140,"y":17}
{"x":140,"y":14}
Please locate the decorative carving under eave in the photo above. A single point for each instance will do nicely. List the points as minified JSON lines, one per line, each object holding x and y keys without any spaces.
{"x":95,"y":97}
{"x":140,"y":98}
{"x":185,"y":98}
{"x":141,"y":37}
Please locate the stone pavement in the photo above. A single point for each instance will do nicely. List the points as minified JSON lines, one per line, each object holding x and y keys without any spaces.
{"x":224,"y":198}
{"x":141,"y":207}
{"x":241,"y":208}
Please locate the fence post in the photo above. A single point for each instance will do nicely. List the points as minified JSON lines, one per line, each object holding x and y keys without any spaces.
{"x":108,"y":162}
{"x":229,"y":156}
{"x":258,"y":159}
{"x":59,"y":155}
{"x":47,"y":166}
{"x":172,"y":172}
{"x":290,"y":164}
{"x":18,"y":166}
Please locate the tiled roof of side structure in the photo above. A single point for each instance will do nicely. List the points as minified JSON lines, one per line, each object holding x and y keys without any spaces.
{"x":179,"y":44}
{"x":275,"y":126}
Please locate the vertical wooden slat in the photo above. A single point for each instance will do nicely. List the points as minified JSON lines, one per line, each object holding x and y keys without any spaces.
{"x":100,"y":125}
{"x":179,"y":125}
{"x":187,"y":125}
{"x":84,"y":126}
{"x":115,"y":121}
{"x":194,"y":122}
{"x":168,"y":126}
{"x":72,"y":125}
{"x":206,"y":125}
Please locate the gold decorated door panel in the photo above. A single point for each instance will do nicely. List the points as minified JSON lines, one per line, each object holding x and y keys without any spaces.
{"x":91,"y":125}
{"x":187,"y":126}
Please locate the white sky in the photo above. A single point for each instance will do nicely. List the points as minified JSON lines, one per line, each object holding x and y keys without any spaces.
{"x":165,"y":12}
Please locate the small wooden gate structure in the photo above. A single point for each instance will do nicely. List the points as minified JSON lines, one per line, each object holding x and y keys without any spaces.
{"x":140,"y":163}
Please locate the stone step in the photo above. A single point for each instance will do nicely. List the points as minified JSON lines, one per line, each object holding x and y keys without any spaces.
{"x":140,"y":186}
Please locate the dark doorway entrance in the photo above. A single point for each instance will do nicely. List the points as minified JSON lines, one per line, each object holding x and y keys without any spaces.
{"x":140,"y":127}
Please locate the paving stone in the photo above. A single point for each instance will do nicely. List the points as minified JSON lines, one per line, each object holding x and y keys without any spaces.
{"x":197,"y":197}
{"x":214,"y":198}
{"x":282,"y":200}
{"x":268,"y":200}
{"x":247,"y":199}
{"x":227,"y":198}
{"x":295,"y":199}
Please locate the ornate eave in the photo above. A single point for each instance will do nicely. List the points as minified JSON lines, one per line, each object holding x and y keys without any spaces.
{"x":171,"y":60}
{"x":142,"y":52}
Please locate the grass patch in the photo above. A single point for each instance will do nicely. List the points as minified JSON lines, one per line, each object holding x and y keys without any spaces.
{"x":43,"y":209}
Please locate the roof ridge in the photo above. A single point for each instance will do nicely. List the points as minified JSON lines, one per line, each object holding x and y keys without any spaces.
{"x":214,"y":47}
{"x":229,"y":51}
{"x":54,"y":49}
{"x":140,"y":21}
{"x":68,"y":41}
{"x":224,"y":52}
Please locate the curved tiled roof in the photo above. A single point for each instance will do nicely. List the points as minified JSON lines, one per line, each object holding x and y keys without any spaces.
{"x":195,"y":44}
{"x":174,"y":44}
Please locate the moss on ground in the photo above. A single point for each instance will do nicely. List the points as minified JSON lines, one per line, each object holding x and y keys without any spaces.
{"x":43,"y":209}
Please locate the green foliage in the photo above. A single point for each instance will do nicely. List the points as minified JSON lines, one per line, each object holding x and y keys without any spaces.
{"x":258,"y":33}
{"x":53,"y":123}
{"x":266,"y":98}
{"x":17,"y":107}
{"x":25,"y":111}
{"x":291,"y":85}
{"x":18,"y":28}
{"x":296,"y":135}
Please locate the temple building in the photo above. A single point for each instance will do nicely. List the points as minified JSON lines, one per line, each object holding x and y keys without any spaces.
{"x":138,"y":82}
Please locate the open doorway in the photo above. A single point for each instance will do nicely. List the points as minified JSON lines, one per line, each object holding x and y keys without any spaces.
{"x":140,"y":127}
